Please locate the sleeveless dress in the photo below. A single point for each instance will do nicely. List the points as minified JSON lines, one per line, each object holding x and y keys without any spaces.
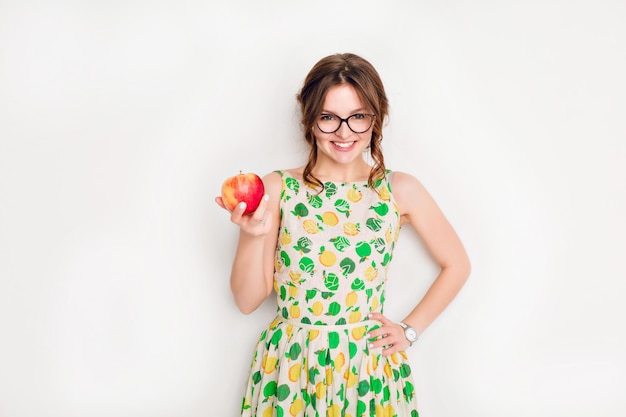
{"x":332,"y":256}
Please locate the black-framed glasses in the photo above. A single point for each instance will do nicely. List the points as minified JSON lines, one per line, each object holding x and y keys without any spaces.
{"x":358,"y":123}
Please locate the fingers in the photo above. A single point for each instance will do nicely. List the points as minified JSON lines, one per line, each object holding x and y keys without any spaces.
{"x":255,"y":224}
{"x":390,"y":336}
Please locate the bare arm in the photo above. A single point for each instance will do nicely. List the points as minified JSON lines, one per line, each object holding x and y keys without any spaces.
{"x":252,"y":274}
{"x":418,"y":209}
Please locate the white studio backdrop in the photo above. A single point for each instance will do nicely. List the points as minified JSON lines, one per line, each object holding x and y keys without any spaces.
{"x":120,"y":120}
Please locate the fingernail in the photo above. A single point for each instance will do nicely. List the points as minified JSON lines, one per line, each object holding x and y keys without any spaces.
{"x":242,"y":205}
{"x":266,"y":197}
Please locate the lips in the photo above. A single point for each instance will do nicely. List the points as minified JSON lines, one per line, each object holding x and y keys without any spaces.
{"x":344,"y":146}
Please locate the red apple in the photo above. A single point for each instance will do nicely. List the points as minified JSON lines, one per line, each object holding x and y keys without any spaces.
{"x":247,"y":188}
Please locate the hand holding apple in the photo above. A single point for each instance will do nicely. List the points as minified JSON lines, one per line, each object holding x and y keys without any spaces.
{"x":247,"y":188}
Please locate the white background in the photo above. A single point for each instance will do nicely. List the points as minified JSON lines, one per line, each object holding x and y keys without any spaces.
{"x":119,"y":120}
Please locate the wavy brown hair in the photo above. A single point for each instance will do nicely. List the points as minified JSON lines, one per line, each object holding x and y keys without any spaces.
{"x":359,"y":73}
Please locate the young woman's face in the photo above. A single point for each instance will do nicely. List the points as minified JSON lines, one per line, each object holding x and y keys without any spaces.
{"x":344,"y":145}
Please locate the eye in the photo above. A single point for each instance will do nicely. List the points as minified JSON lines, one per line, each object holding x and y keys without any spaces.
{"x":358,"y":116}
{"x":327,"y":117}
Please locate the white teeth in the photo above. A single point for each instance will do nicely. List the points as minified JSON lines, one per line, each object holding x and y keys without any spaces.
{"x":343,"y":144}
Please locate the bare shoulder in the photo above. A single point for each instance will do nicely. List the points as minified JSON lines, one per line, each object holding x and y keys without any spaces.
{"x":411,"y":196}
{"x":273,"y":183}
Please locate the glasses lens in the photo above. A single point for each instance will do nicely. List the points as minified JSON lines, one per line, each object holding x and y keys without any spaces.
{"x":328,"y":123}
{"x":360,"y":123}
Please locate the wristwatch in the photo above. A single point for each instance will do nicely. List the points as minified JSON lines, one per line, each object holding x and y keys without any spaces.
{"x":410,"y":333}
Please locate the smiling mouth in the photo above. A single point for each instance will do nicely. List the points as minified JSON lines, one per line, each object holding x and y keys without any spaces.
{"x":344,"y":145}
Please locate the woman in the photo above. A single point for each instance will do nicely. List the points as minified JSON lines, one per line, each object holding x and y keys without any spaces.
{"x":322,"y":238}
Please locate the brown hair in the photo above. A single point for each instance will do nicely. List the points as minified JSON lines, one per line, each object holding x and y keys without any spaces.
{"x":359,"y":73}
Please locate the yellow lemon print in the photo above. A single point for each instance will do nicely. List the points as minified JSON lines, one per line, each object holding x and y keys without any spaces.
{"x":295,"y":276}
{"x":358,"y":332}
{"x":371,"y":273}
{"x":340,"y":360}
{"x":289,"y":331}
{"x":334,"y":411}
{"x":269,"y":364}
{"x":330,"y":218}
{"x":294,"y":372}
{"x":320,"y":390}
{"x":350,"y":229}
{"x":351,"y":298}
{"x":294,"y":310}
{"x":313,"y":334}
{"x":317,"y":308}
{"x":394,"y":358}
{"x":293,"y":291}
{"x":384,"y":194}
{"x":387,"y":369}
{"x":310,"y":226}
{"x":375,"y":363}
{"x":269,"y":412}
{"x":285,"y":238}
{"x":296,"y":407}
{"x":375,"y":303}
{"x":388,"y":235}
{"x":329,"y":376}
{"x":351,"y":380}
{"x":328,"y":258}
{"x":354,"y":317}
{"x":354,"y":195}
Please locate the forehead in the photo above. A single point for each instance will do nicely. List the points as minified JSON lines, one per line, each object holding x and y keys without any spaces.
{"x":342,"y":98}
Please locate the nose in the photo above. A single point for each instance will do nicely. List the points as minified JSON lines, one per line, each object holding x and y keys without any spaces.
{"x":343,"y":131}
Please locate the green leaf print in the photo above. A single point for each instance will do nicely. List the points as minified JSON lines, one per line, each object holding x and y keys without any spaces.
{"x":270,"y":389}
{"x":353,"y":349}
{"x":331,"y":281}
{"x":381,"y":208}
{"x":408,"y":390}
{"x":364,"y":388}
{"x":357,"y":284}
{"x":386,"y":259}
{"x":341,"y":321}
{"x":347,"y":266}
{"x":334,"y":308}
{"x":294,"y":351}
{"x":376,"y":385}
{"x":386,"y":393}
{"x":374,"y":224}
{"x":340,"y":243}
{"x":414,"y":413}
{"x":342,"y":206}
{"x":300,"y":210}
{"x":256,"y":378}
{"x":310,"y":294}
{"x":283,"y":293}
{"x":285,"y":258}
{"x":276,"y":337}
{"x":323,"y":357}
{"x":333,"y":339}
{"x":292,"y":184}
{"x":307,"y":265}
{"x":313,"y":372}
{"x":363,"y":249}
{"x":282,"y":392}
{"x":360,"y":408}
{"x":303,"y":245}
{"x":331,"y":189}
{"x":379,"y":244}
{"x":279,"y":411}
{"x":315,"y":201}
{"x":405,"y":370}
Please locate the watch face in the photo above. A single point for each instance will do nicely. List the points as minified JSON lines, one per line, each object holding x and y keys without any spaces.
{"x":411,"y":334}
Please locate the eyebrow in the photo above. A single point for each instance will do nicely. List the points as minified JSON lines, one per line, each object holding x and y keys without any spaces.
{"x":360,"y":110}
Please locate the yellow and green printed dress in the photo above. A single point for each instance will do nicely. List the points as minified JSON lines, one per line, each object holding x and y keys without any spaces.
{"x":332,"y":256}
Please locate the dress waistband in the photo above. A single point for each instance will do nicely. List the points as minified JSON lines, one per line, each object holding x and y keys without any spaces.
{"x":330,"y":327}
